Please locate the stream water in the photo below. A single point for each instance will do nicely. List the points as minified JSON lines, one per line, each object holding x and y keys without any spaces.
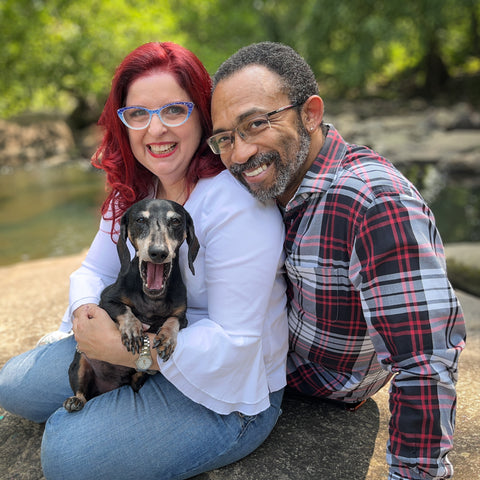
{"x":53,"y":211}
{"x":48,"y":211}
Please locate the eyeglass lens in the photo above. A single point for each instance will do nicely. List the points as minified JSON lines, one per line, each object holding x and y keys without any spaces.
{"x":248,"y":129}
{"x":171,"y":115}
{"x":223,"y":142}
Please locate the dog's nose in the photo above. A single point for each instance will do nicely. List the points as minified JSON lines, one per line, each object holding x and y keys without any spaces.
{"x":157,"y":254}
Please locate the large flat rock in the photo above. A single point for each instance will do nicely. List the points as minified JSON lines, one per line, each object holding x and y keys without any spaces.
{"x":312,"y":439}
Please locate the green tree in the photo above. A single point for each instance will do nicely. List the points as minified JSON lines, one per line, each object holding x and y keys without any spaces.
{"x":352,"y":45}
{"x":61,"y":54}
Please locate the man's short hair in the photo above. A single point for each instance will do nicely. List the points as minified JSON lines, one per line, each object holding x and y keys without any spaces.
{"x":297,"y":78}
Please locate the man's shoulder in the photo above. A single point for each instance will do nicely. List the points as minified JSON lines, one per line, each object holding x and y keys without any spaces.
{"x":369,"y":170}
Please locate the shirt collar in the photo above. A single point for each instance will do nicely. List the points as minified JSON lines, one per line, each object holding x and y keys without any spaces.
{"x":324,"y":168}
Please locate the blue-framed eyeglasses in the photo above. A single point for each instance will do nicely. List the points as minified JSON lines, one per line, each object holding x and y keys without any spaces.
{"x":247,"y":130}
{"x":171,"y":115}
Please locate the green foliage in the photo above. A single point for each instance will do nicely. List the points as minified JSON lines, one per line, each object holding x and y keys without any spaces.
{"x":58,"y":54}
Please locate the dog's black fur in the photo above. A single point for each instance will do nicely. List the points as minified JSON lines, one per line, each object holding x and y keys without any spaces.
{"x":156,"y":229}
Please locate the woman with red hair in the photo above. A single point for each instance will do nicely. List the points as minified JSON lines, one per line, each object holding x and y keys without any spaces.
{"x":127,"y":178}
{"x":218,"y":396}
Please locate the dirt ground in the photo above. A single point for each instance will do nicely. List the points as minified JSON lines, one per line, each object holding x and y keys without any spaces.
{"x":33,"y":299}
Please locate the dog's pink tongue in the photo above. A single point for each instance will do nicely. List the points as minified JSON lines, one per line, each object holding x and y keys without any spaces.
{"x":154,"y":276}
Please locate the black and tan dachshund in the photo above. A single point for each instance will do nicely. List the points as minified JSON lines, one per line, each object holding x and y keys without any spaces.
{"x":148,"y":296}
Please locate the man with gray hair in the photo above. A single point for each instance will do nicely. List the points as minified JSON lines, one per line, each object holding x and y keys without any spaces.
{"x":369,"y":298}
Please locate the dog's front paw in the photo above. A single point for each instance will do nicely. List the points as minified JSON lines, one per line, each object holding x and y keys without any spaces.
{"x":131,"y":329}
{"x":165,"y":340}
{"x":132,"y":337}
{"x":165,"y":344}
{"x":73,"y":404}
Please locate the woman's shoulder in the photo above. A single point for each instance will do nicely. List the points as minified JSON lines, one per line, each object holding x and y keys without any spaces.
{"x":222,"y":198}
{"x":219,"y":180}
{"x":223,"y":187}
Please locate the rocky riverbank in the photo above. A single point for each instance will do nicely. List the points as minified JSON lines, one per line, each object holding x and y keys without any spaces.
{"x":405,"y":132}
{"x":34,"y":139}
{"x":448,"y":137}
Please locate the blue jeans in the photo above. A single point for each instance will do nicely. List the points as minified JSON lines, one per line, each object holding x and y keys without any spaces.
{"x":157,"y":433}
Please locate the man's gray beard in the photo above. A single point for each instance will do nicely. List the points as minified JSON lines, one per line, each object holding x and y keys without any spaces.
{"x":285,"y":172}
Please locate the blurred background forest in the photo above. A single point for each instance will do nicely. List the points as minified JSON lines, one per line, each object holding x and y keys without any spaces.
{"x":400,"y":76}
{"x":61,"y":54}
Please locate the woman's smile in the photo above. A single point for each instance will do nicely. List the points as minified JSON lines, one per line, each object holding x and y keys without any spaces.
{"x":163,"y":149}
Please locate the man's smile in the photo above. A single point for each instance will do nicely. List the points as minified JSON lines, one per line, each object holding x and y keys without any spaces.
{"x":256,"y":171}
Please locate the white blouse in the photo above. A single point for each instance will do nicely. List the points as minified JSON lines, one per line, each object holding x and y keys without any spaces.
{"x":233,"y":351}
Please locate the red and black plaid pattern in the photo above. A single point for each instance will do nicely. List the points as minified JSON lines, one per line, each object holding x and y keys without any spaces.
{"x":370,"y":301}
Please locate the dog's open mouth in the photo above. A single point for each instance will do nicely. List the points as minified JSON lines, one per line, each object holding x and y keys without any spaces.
{"x":154,"y":276}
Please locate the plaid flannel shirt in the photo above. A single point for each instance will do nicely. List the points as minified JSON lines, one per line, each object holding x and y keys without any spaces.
{"x":370,"y":301}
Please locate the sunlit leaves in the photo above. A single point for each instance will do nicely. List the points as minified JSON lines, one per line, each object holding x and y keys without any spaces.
{"x":56,"y":53}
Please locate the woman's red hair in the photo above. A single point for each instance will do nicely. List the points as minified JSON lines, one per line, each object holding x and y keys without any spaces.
{"x":127,"y":180}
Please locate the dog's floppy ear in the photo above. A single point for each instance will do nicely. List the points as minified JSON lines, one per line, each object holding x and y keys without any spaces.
{"x":122,"y":249}
{"x":192,"y":242}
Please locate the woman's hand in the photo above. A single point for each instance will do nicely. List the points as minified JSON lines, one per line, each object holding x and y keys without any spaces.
{"x":99,"y":338}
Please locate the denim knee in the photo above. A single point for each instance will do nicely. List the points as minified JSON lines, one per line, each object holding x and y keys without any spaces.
{"x":14,"y":398}
{"x":34,"y":384}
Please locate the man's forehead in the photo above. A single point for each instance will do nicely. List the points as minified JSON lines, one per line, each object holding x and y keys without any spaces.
{"x":250,"y":90}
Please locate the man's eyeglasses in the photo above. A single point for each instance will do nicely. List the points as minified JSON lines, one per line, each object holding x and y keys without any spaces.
{"x":171,"y":115}
{"x":223,"y":142}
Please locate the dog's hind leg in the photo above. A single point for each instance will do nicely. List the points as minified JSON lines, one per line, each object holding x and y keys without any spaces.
{"x":81,"y":377}
{"x":75,"y":403}
{"x":138,"y":379}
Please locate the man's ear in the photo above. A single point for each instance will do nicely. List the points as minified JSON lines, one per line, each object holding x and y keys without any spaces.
{"x":312,"y":113}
